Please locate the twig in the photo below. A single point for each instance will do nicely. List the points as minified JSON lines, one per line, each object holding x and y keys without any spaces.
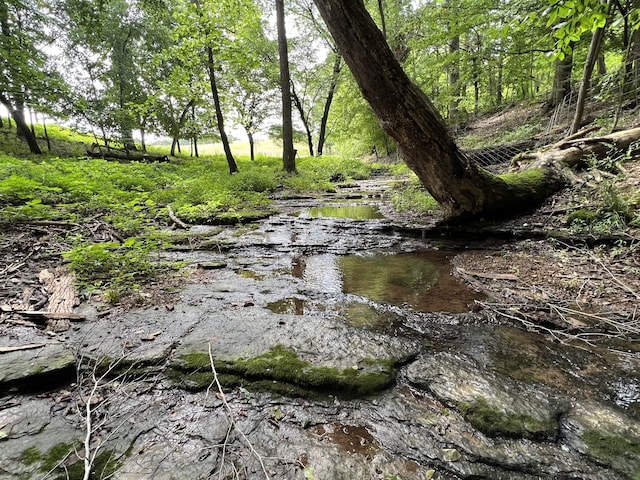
{"x":18,"y":348}
{"x":223,"y":398}
{"x":175,"y":219}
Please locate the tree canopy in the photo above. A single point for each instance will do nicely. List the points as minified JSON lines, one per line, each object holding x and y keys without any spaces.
{"x":189,"y":69}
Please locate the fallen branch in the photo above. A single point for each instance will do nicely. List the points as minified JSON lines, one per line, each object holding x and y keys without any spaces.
{"x":175,"y":219}
{"x":19,"y":348}
{"x":223,"y":398}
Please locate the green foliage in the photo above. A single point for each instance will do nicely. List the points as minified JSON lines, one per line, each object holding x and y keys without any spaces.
{"x":611,"y":211}
{"x":570,"y":19}
{"x":410,"y":197}
{"x":116,"y":268}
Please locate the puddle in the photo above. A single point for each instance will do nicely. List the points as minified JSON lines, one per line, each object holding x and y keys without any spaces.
{"x":354,"y":439}
{"x":287,"y":306}
{"x":627,"y":393}
{"x":361,"y":315}
{"x":354,"y":212}
{"x":245,"y":273}
{"x":421,"y":280}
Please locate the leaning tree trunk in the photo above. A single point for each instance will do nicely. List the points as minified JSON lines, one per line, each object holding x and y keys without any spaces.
{"x":409,"y":117}
{"x":233,"y":166}
{"x":322,"y":136}
{"x":22,"y":127}
{"x":304,"y":118}
{"x":594,"y":49}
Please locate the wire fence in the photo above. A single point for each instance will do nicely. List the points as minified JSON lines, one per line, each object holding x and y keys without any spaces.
{"x":612,"y":103}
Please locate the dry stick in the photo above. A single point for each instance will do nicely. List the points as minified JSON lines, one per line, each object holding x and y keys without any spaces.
{"x":223,"y":398}
{"x":175,"y":219}
{"x":606,"y":269}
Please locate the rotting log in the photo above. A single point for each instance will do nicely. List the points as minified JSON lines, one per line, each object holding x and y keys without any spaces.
{"x":574,"y":150}
{"x":59,"y":283}
{"x":106,"y":152}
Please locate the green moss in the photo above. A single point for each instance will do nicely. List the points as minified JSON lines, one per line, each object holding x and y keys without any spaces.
{"x":613,"y":449}
{"x":495,"y":423}
{"x":281,"y":370}
{"x":582,"y":215}
{"x":30,"y":456}
{"x":55,"y":455}
{"x":104,"y":466}
{"x":528,"y":180}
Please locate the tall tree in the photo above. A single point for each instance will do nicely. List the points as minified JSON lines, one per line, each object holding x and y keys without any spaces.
{"x":22,"y":63}
{"x":407,"y":115}
{"x":288,"y":152}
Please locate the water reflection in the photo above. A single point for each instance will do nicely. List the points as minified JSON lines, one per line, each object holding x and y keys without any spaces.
{"x":356,"y":212}
{"x":420,"y":280}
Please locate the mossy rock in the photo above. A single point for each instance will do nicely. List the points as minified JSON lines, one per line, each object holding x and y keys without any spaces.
{"x":57,"y":462}
{"x":496,"y":423}
{"x":620,"y":452}
{"x":282,"y":371}
{"x":583,"y":215}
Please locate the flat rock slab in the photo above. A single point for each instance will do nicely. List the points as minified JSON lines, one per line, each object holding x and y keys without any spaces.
{"x":45,"y":363}
{"x":495,"y":404}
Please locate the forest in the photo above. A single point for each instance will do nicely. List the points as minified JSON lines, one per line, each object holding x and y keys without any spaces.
{"x":320,"y":239}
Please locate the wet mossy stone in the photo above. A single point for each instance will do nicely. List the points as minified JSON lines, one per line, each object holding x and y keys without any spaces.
{"x":57,"y":462}
{"x":281,"y":370}
{"x":496,"y":423}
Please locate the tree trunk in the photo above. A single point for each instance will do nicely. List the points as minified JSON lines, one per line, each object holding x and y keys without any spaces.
{"x":455,"y":119}
{"x":178,"y":128}
{"x":233,"y":167}
{"x":594,"y":50}
{"x":288,"y":152}
{"x":634,"y":56}
{"x":407,"y":115}
{"x":21,"y":126}
{"x":337,"y":67}
{"x":561,"y":82}
{"x":303,"y":117}
{"x":251,"y":144}
{"x":383,"y":22}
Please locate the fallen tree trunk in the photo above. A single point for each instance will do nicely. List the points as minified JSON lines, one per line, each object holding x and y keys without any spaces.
{"x":106,"y":152}
{"x":574,"y":150}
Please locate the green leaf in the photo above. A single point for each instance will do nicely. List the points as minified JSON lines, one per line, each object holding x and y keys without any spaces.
{"x":309,"y":473}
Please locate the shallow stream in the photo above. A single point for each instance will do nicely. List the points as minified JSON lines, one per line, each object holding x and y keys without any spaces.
{"x":346,"y":350}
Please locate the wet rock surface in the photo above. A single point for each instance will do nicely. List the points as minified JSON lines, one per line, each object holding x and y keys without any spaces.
{"x":270,"y":363}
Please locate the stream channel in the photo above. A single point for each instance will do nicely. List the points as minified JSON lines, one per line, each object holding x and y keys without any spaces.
{"x":346,"y":349}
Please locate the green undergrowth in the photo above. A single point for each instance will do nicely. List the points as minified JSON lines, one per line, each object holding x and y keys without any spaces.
{"x":408,"y":195}
{"x":280,"y":370}
{"x":116,"y":212}
{"x":607,"y":210}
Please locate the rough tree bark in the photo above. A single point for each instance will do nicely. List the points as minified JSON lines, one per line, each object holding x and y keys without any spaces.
{"x":233,"y":166}
{"x":288,"y":152}
{"x":408,"y":116}
{"x":561,"y":82}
